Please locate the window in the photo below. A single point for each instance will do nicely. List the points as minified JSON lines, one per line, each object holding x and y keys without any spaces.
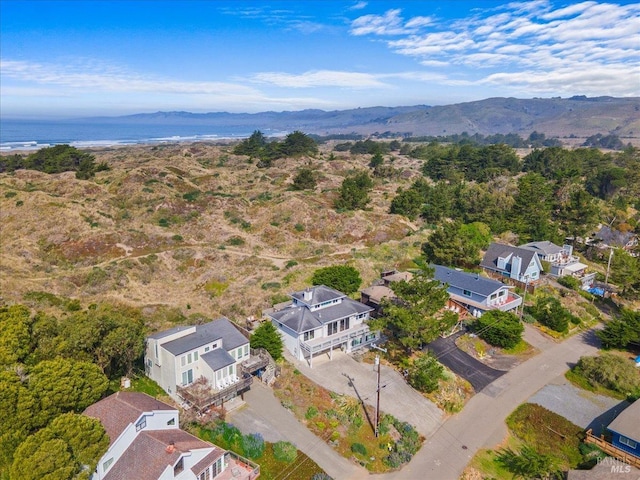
{"x":156,"y":349}
{"x":179,"y":467}
{"x":628,"y":442}
{"x":183,"y":361}
{"x":187,"y":377}
{"x":344,"y":324}
{"x":195,"y":356}
{"x":107,"y":464}
{"x":189,"y":358}
{"x":171,"y":422}
{"x":206,"y":349}
{"x":246,"y":350}
{"x":466,"y":293}
{"x":332,"y":328}
{"x":204,"y":475}
{"x":356,"y":341}
{"x":141,"y":424}
{"x":309,"y":335}
{"x":149,"y":363}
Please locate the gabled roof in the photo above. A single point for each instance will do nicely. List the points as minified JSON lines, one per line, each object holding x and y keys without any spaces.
{"x":218,"y":358}
{"x":147,"y":456}
{"x":627,"y":423}
{"x":544,"y":247}
{"x":319,"y":294}
{"x":301,"y":319}
{"x":496,"y":250}
{"x":221,"y":329}
{"x":166,"y":333}
{"x":472,"y":282}
{"x":119,"y":410}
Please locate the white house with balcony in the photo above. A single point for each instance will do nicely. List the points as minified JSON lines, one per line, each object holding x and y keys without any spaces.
{"x":477,"y":294}
{"x":321,"y":319}
{"x":562,"y":260}
{"x":178,"y":357}
{"x":146,"y":443}
{"x":514,"y":263}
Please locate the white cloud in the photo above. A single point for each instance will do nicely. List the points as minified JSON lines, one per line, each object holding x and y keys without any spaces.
{"x":320,"y":78}
{"x":358,"y":6}
{"x":527,"y":44}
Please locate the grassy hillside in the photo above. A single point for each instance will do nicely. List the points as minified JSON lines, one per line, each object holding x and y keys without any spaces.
{"x":193,"y":228}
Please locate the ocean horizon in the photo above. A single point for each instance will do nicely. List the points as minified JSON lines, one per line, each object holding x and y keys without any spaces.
{"x":18,"y":135}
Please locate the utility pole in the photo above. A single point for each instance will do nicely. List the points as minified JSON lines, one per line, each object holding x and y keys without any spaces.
{"x":377,"y":366}
{"x":606,"y":280}
{"x":524,"y":296}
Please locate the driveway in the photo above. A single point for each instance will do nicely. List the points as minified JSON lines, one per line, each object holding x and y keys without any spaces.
{"x":343,"y":374}
{"x":461,"y":363}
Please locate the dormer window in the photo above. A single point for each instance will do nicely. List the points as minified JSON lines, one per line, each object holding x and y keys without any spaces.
{"x":179,"y":467}
{"x":142,"y":423}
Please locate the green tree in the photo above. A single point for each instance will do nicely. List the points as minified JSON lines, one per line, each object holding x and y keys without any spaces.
{"x":266,"y":336}
{"x":425,"y":372}
{"x":416,"y":315}
{"x":354,"y":192}
{"x":531,"y":212}
{"x":579,"y":213}
{"x":63,"y":385}
{"x":344,"y":278}
{"x":15,"y":341}
{"x":550,"y":312}
{"x":500,"y":329}
{"x":528,"y":463}
{"x":297,"y":143}
{"x":41,"y":457}
{"x":407,"y":202}
{"x":85,"y":436}
{"x":622,"y":331}
{"x":454,"y":243}
{"x":305,"y":179}
{"x":376,"y":160}
{"x":251,"y":146}
{"x":625,"y":271}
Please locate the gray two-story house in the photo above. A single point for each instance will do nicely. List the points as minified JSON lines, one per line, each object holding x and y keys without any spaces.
{"x":477,"y":294}
{"x":515,"y":263}
{"x":321,"y":319}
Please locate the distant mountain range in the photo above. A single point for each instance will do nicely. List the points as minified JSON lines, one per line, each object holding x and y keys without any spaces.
{"x":578,"y":116}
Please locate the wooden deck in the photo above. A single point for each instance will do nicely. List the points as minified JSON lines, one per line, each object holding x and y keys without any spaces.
{"x":612,"y":450}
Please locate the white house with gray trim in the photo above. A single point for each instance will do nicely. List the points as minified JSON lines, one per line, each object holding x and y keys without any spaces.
{"x":177,"y":357}
{"x":476,"y":293}
{"x":516,"y":263}
{"x":321,"y":319}
{"x":562,"y":260}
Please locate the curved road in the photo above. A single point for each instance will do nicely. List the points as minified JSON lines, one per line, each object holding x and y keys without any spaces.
{"x":448,"y":450}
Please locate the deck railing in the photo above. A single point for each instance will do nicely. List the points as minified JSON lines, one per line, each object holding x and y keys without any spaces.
{"x":612,"y":450}
{"x":253,"y":468}
{"x":216,"y":396}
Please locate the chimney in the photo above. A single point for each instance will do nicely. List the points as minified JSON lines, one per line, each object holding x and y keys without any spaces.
{"x":307,"y":294}
{"x":171,"y":447}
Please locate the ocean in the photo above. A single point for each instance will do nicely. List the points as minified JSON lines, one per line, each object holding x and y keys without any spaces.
{"x":35,"y":134}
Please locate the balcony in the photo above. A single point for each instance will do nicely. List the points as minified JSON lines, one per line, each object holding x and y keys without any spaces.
{"x":238,"y":468}
{"x":201,"y":396}
{"x":512,"y":302}
{"x":318,"y":345}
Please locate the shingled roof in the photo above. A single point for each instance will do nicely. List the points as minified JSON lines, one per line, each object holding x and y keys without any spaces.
{"x":472,"y":282}
{"x":496,"y":250}
{"x":221,"y":328}
{"x":119,"y":410}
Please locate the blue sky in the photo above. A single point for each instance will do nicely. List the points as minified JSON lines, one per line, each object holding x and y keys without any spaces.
{"x":81,"y":58}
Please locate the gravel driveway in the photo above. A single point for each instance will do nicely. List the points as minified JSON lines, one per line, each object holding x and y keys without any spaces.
{"x":581,"y":407}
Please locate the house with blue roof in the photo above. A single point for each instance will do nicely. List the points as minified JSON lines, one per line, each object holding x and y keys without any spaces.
{"x":208,"y":356}
{"x":320,"y":320}
{"x":477,"y":294}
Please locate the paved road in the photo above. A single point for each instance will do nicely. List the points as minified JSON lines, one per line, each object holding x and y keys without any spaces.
{"x":481,"y":423}
{"x":454,"y":442}
{"x":461,"y":363}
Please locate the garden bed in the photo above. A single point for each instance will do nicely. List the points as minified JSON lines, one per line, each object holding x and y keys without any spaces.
{"x":345,"y":424}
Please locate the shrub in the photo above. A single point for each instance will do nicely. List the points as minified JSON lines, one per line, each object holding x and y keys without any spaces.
{"x":285,"y":451}
{"x":425,"y":372}
{"x":290,"y":264}
{"x":569,"y":282}
{"x":359,"y":449}
{"x":344,"y":278}
{"x":253,"y":445}
{"x":550,"y":313}
{"x":312,"y":411}
{"x":500,"y":329}
{"x":610,"y":371}
{"x":236,"y":241}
